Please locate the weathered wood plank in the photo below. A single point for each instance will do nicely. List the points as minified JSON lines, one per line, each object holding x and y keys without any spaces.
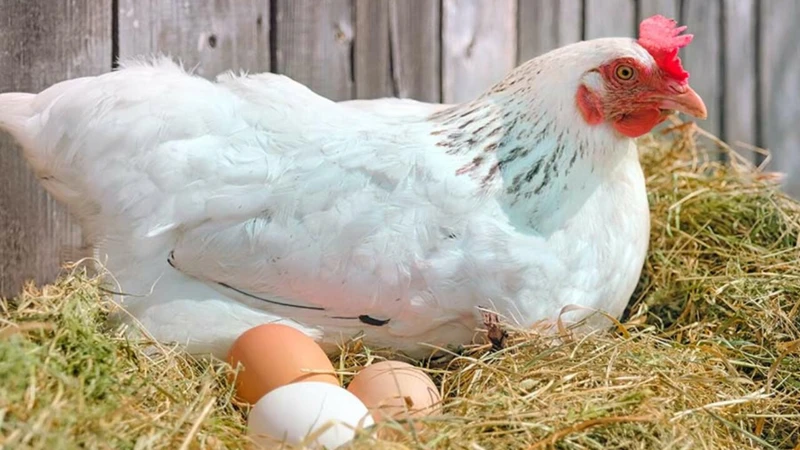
{"x":211,"y":36}
{"x":372,"y":65}
{"x":780,"y":87}
{"x":610,"y":18}
{"x":42,"y":42}
{"x":739,"y":108}
{"x":544,"y":26}
{"x":702,"y":58}
{"x":313,"y":44}
{"x":667,"y":8}
{"x":397,"y":49}
{"x":416,"y":49}
{"x":479,"y":46}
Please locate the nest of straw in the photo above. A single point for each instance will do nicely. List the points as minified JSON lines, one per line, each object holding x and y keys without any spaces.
{"x":706,"y":356}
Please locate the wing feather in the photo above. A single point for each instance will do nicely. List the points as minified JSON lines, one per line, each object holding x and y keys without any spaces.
{"x":339,"y":233}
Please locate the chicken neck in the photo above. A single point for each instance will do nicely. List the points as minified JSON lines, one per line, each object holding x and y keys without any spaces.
{"x":529,"y":148}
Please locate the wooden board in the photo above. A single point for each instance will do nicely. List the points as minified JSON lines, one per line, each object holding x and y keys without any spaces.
{"x":397,"y":49}
{"x":610,"y":18}
{"x":416,"y":49}
{"x":667,"y":8}
{"x":739,"y":107}
{"x":42,"y":42}
{"x":544,"y":26}
{"x":702,"y":58}
{"x":479,"y":46}
{"x":780,"y":87}
{"x":313,"y":43}
{"x":210,"y":36}
{"x":372,"y":56}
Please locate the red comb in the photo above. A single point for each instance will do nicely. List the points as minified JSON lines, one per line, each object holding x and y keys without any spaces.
{"x":659,"y":36}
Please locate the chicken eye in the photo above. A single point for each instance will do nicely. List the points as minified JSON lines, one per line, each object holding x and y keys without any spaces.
{"x":624,"y":72}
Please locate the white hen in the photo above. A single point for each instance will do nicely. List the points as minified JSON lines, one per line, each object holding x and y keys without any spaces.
{"x":221,"y":206}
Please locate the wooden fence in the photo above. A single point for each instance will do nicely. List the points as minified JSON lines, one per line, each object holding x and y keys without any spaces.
{"x":745,"y":62}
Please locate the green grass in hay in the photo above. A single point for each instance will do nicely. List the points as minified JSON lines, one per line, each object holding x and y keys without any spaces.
{"x":70,"y":383}
{"x":710,"y":355}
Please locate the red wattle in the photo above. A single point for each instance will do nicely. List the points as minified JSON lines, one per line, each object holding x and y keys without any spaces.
{"x":638,"y":123}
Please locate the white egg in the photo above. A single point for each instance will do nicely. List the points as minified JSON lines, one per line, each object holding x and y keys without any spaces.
{"x":295,"y":411}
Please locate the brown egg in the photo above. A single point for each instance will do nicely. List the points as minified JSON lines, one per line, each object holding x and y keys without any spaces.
{"x":391,"y":389}
{"x":275,"y":355}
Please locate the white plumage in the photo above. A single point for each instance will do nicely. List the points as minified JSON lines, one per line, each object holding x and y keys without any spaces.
{"x":216,"y":205}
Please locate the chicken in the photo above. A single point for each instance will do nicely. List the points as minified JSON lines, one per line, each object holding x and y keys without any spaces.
{"x":219,"y":206}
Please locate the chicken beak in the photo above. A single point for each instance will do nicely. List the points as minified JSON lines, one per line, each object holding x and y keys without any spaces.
{"x":687,"y":102}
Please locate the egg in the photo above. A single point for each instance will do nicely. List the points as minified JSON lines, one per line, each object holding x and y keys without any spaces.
{"x":274,"y":355}
{"x":295,"y":412}
{"x":395,"y":390}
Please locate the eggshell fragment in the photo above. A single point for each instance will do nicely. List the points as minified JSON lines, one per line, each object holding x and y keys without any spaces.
{"x":274,"y":355}
{"x":298,"y":411}
{"x":395,"y":390}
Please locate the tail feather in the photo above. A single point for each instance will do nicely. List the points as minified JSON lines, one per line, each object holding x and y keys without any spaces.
{"x":15,"y":110}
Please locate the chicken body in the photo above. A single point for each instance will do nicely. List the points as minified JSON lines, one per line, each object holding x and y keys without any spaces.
{"x":221,"y":206}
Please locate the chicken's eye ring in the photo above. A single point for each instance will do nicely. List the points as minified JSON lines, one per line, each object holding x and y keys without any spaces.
{"x":624,"y":72}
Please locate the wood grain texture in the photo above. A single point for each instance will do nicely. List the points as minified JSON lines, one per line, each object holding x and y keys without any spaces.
{"x":702,"y":58}
{"x":740,"y":74}
{"x":610,"y":18}
{"x":313,"y":44}
{"x":479,"y":46}
{"x":780,"y":87}
{"x":372,"y":61}
{"x":397,"y":49}
{"x":211,"y":36}
{"x":416,"y":49}
{"x":42,"y":42}
{"x":544,"y":26}
{"x":667,"y":8}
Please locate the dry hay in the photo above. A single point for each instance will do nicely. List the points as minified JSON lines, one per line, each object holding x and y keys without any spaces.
{"x":706,"y":357}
